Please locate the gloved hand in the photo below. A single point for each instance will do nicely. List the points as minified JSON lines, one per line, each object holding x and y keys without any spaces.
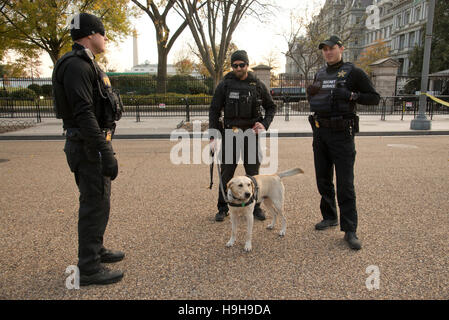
{"x":313,"y":89}
{"x":342,"y":94}
{"x":109,"y":164}
{"x":212,"y":145}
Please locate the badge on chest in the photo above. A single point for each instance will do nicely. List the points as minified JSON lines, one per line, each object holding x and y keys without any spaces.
{"x":234,"y":95}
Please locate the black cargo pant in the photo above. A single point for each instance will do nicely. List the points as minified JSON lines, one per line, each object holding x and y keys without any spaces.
{"x":336,"y":148}
{"x":251,"y":162}
{"x":95,"y":195}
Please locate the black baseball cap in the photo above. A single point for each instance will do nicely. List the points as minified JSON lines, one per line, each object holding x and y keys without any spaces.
{"x":332,"y":41}
{"x":85,"y":24}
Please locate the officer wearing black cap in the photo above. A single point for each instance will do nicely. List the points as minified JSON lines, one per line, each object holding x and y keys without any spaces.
{"x":89,"y":107}
{"x":240,"y":95}
{"x":333,"y":96}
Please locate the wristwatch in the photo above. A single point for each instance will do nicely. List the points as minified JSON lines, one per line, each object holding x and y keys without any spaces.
{"x":354,"y":96}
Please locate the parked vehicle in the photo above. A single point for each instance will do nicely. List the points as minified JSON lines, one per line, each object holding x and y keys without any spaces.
{"x":288,"y":94}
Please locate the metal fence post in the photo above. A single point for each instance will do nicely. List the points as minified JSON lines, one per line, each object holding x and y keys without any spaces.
{"x":38,"y":111}
{"x":12,"y":107}
{"x":432,"y":103}
{"x":137,"y":111}
{"x":384,"y":109}
{"x":403,"y":110}
{"x":187,"y":109}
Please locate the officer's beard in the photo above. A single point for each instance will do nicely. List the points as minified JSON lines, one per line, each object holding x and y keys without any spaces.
{"x":241,"y":74}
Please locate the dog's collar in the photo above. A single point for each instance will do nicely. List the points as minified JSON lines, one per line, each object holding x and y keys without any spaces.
{"x":243,"y":204}
{"x":256,"y":187}
{"x":253,"y":197}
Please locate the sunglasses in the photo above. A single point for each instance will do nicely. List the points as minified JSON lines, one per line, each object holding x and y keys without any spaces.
{"x":241,"y":65}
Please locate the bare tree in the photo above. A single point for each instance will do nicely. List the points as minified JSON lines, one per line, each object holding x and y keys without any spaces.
{"x":158,"y":13}
{"x":202,"y":69}
{"x":213,"y":25}
{"x":303,"y":41}
{"x":304,"y":37}
{"x":272,"y":60}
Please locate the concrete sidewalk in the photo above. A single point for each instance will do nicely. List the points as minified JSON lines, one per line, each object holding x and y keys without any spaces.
{"x":161,"y":128}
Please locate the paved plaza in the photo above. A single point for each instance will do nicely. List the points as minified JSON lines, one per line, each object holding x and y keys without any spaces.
{"x":162,"y":216}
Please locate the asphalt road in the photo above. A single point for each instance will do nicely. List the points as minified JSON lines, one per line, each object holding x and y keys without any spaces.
{"x":162,"y":216}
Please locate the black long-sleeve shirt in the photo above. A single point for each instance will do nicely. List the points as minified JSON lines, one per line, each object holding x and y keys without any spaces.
{"x":80,"y":80}
{"x":219,"y":100}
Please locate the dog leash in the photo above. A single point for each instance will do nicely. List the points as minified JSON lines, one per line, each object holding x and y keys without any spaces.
{"x":243,"y":204}
{"x":211,"y":170}
{"x":221,"y":184}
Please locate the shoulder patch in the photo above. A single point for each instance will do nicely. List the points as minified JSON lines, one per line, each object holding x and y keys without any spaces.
{"x":106,"y":81}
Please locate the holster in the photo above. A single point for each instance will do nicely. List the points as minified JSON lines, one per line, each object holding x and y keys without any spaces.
{"x":356,"y":124}
{"x":74,"y":134}
{"x":312,"y":122}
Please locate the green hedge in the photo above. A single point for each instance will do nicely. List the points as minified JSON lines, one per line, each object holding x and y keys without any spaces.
{"x":45,"y":90}
{"x":22,"y":94}
{"x":186,"y":85}
{"x":147,"y":84}
{"x":167,"y":99}
{"x":137,"y":84}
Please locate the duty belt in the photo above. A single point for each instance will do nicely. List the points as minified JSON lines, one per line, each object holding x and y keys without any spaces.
{"x":74,"y":134}
{"x":334,"y":123}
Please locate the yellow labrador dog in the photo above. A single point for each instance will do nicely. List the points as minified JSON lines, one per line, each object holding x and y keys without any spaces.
{"x":245,"y":191}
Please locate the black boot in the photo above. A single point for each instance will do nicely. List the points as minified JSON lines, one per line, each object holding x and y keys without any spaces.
{"x":258,"y":213}
{"x":326,"y":223}
{"x":353,"y":241}
{"x":103,"y":276}
{"x":109,"y":256}
{"x":221,"y":215}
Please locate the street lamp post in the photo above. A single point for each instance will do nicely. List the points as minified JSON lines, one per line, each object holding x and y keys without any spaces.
{"x":421,"y":122}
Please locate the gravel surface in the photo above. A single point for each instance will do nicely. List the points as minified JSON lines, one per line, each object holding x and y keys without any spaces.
{"x":162,"y":216}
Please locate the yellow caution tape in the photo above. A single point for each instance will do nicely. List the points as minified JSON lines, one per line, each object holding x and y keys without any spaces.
{"x":444,"y":103}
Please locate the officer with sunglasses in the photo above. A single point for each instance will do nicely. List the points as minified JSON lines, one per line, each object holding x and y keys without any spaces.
{"x":239,"y":96}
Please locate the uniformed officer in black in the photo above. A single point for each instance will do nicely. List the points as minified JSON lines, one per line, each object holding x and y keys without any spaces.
{"x":240,"y":95}
{"x":89,"y":108}
{"x":337,"y":88}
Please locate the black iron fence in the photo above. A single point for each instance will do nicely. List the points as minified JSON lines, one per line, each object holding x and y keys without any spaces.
{"x":186,"y":97}
{"x":187,"y":107}
{"x":126,"y":84}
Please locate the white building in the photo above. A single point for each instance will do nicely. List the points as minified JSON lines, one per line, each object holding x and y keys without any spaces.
{"x":149,"y":68}
{"x":401,"y":25}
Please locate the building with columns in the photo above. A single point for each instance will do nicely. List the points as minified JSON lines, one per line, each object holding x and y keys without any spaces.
{"x":401,"y":24}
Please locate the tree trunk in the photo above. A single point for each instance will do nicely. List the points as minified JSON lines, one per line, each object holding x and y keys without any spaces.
{"x":161,"y":70}
{"x":217,"y":79}
{"x":54,"y":55}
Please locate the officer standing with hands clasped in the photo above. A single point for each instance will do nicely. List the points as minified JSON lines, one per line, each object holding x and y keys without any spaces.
{"x":240,"y":95}
{"x":333,"y":96}
{"x":89,"y":107}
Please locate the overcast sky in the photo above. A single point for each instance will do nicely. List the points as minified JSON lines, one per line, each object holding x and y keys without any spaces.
{"x":258,"y":39}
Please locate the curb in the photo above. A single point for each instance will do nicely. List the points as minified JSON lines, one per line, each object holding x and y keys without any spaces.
{"x":166,"y":136}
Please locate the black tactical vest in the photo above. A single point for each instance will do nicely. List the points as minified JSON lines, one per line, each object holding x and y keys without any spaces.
{"x":242,"y":104}
{"x":105,"y":98}
{"x":324,"y":101}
